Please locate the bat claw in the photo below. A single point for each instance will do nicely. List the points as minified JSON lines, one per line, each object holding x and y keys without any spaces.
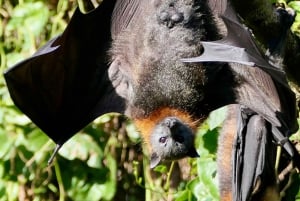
{"x":286,"y":15}
{"x":170,"y":16}
{"x":57,"y":148}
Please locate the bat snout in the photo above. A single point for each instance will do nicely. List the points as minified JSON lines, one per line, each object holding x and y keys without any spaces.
{"x":170,"y":122}
{"x":171,"y":139}
{"x":179,"y":132}
{"x":175,"y":130}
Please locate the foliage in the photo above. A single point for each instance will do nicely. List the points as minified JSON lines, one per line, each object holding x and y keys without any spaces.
{"x":295,"y":5}
{"x":105,"y":160}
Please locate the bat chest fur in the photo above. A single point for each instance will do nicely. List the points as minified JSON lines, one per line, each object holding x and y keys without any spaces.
{"x":154,"y":47}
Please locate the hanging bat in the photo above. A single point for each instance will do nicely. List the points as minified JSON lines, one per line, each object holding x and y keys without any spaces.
{"x":162,"y":63}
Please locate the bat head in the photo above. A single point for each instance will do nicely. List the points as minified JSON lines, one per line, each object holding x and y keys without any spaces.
{"x":171,"y":139}
{"x":169,"y":134}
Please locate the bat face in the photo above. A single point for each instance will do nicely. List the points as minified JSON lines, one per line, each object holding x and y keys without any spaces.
{"x":171,"y":139}
{"x":169,"y":134}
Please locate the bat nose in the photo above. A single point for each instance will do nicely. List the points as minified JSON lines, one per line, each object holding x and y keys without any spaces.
{"x":171,"y":122}
{"x":177,"y":128}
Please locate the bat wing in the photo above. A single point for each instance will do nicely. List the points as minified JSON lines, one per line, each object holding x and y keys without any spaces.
{"x":264,"y":89}
{"x":65,"y":85}
{"x":253,"y":156}
{"x":265,"y":93}
{"x":237,"y":47}
{"x":126,"y":12}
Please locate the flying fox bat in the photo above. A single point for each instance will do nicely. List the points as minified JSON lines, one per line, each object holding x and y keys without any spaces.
{"x":162,"y":63}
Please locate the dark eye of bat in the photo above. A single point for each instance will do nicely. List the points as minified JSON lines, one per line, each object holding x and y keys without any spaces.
{"x":162,"y":139}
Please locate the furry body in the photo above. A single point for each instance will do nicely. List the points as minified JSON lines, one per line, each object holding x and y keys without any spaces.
{"x":161,"y":80}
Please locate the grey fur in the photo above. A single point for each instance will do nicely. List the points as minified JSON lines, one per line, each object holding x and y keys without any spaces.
{"x":167,"y":32}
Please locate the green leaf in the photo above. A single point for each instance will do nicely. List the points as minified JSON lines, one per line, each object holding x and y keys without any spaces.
{"x":295,"y":5}
{"x":110,"y":185}
{"x":210,"y":140}
{"x":133,"y":134}
{"x":3,"y":195}
{"x":15,"y":118}
{"x":216,"y":118}
{"x":6,"y":144}
{"x":83,"y":147}
{"x":33,"y":16}
{"x":182,"y":195}
{"x":13,"y":189}
{"x":36,"y":140}
{"x":161,"y":169}
{"x":191,"y":185}
{"x":95,"y":159}
{"x":207,"y":175}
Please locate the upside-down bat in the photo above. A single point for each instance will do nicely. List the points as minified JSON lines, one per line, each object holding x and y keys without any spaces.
{"x":164,"y":64}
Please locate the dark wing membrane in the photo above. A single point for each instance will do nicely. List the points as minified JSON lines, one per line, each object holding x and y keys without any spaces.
{"x":253,"y":156}
{"x":237,"y":47}
{"x":272,"y":101}
{"x":65,"y":85}
{"x":263,"y":90}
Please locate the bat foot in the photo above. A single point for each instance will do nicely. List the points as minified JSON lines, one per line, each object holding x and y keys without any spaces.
{"x":286,"y":16}
{"x":170,"y":16}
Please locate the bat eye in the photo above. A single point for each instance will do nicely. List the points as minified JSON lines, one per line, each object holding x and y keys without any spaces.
{"x":162,"y":139}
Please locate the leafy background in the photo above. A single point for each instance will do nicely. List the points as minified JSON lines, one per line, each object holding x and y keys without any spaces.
{"x":106,"y":161}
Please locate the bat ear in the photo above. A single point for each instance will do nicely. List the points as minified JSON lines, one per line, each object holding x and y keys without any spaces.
{"x":155,"y":159}
{"x":120,"y":74}
{"x":193,"y":153}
